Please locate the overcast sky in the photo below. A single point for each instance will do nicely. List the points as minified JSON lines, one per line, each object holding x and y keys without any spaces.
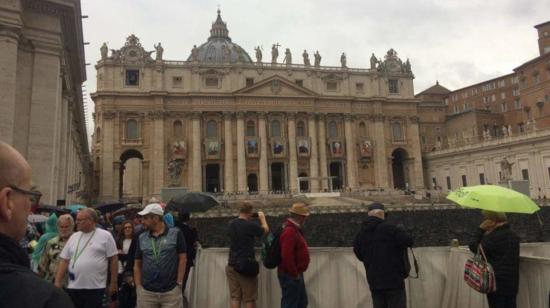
{"x":456,"y":42}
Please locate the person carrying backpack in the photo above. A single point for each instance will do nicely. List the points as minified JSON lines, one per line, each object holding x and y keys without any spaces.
{"x":294,"y":259}
{"x":242,"y":267}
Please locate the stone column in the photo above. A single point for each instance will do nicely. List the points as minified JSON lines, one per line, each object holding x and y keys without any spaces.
{"x":313,"y":159}
{"x":351,"y":168}
{"x":145,"y":181}
{"x":196,"y":159}
{"x":228,"y":168}
{"x":116,"y":179}
{"x":264,"y":182}
{"x":159,"y":159}
{"x":414,"y":139}
{"x":380,"y":156}
{"x":293,"y":162}
{"x":241,"y":157}
{"x":9,"y":42}
{"x":323,"y":165}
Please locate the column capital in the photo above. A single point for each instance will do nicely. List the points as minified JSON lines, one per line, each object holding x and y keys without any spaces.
{"x":228,"y":115}
{"x":11,"y":33}
{"x":262,"y":115}
{"x":349,"y":117}
{"x":291,"y":115}
{"x":414,"y":119}
{"x":379,"y":117}
{"x":109,"y":115}
{"x":156,"y":114}
{"x":195,"y":115}
{"x":321,"y":115}
{"x":240,"y":115}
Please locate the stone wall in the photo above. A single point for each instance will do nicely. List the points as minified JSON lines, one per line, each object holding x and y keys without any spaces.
{"x":429,"y":227}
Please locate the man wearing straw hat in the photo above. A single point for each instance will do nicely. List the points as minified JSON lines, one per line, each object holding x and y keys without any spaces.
{"x":294,"y":258}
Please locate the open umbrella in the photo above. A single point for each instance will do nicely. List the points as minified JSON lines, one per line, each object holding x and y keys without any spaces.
{"x":493,"y":198}
{"x":192,"y":202}
{"x":52,"y":209}
{"x":36,"y":218}
{"x":109,"y":207}
{"x":75,"y":207}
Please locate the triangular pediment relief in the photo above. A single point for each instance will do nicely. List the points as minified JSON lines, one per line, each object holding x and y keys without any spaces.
{"x":276,"y":85}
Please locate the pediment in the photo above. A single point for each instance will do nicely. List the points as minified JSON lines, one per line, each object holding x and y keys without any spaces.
{"x":276,"y":85}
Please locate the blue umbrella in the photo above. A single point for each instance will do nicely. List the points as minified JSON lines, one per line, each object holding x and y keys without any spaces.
{"x":76,"y":207}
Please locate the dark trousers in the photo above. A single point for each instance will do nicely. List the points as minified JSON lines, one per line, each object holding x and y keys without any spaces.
{"x":86,"y":298}
{"x":393,"y":298}
{"x":501,"y":301}
{"x":293,"y":291}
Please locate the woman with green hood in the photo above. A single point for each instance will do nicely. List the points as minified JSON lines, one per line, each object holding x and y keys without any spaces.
{"x":51,"y":232}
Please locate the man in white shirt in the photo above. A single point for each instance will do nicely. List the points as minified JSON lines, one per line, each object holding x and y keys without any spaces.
{"x":87,"y":256}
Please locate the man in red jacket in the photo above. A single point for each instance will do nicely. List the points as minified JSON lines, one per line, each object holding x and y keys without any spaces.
{"x":294,"y":259}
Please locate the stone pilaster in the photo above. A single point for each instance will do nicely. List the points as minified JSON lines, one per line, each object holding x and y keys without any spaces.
{"x":264,"y":182}
{"x":414,"y":140}
{"x":323,"y":168}
{"x":158,"y":150}
{"x":116,"y":179}
{"x":228,"y":141}
{"x":313,"y":159}
{"x":146,"y":175}
{"x":196,"y":159}
{"x":293,"y":162}
{"x":9,"y":42}
{"x":380,"y":156}
{"x":42,"y":145}
{"x":241,"y":157}
{"x":351,"y":163}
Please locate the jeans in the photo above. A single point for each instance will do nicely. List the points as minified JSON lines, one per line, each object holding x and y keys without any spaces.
{"x":501,"y":301}
{"x":293,"y":291}
{"x":392,"y":298}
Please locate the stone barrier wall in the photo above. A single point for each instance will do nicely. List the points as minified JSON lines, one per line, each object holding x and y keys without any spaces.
{"x":429,"y":227}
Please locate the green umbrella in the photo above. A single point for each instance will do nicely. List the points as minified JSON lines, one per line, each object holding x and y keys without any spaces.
{"x":493,"y":198}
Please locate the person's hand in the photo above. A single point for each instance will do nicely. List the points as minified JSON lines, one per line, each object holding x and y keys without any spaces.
{"x":113,"y":288}
{"x":488,"y":225}
{"x":261,"y":214}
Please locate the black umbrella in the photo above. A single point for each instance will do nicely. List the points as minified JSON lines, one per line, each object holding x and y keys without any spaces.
{"x":192,"y":202}
{"x":109,"y":207}
{"x":52,"y":209}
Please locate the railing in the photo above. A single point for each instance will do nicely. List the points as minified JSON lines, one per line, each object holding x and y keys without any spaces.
{"x":267,"y":65}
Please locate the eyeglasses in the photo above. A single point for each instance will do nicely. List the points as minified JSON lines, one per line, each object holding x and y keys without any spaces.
{"x":34,"y":195}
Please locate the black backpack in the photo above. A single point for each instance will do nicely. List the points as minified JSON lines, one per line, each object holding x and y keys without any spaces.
{"x":271,"y":249}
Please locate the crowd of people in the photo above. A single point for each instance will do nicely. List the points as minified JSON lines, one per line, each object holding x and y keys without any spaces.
{"x":145,"y":261}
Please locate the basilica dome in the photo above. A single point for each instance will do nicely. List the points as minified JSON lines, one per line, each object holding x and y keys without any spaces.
{"x":219,"y":48}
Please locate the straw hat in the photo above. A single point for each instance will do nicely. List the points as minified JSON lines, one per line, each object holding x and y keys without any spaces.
{"x":299,"y":209}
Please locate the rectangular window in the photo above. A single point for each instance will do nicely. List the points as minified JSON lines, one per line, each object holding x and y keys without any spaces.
{"x":434,"y":182}
{"x":525,"y":174}
{"x":464,"y":182}
{"x":132,"y":77}
{"x":481,"y":178}
{"x":299,"y":82}
{"x":359,"y":87}
{"x":423,"y":138}
{"x":521,"y":127}
{"x":332,"y":86}
{"x":249,"y":82}
{"x":449,"y":182}
{"x":517,"y":103}
{"x":503,"y":107}
{"x":392,"y":83}
{"x":502,"y":95}
{"x":493,"y":98}
{"x":211,"y":82}
{"x":177,"y":82}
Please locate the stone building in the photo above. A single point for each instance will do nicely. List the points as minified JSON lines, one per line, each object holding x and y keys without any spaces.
{"x":505,"y":120}
{"x":41,"y":109}
{"x":223,"y":122}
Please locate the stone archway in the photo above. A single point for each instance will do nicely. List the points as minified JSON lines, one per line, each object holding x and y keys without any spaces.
{"x":131,"y":176}
{"x":399,"y":156}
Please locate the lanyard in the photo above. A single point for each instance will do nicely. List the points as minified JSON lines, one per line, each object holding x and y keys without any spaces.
{"x":77,"y":253}
{"x":156,"y":253}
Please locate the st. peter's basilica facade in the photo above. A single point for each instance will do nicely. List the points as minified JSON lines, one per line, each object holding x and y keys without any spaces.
{"x":223,"y":122}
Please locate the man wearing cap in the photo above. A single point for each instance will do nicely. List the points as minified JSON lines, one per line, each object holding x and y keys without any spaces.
{"x":294,"y":258}
{"x":381,"y":247}
{"x":160,"y":262}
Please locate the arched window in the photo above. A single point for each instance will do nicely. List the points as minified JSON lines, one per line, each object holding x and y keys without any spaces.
{"x":250,"y":129}
{"x":362,"y":129}
{"x":301,"y":129}
{"x":397,"y":131}
{"x":332,"y":129}
{"x":178,"y":129}
{"x":275,"y":128}
{"x":132,"y":132}
{"x":212,"y":129}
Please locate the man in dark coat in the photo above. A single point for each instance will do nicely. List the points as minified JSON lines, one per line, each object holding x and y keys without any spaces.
{"x":20,"y":286}
{"x":381,"y":246}
{"x":501,"y":247}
